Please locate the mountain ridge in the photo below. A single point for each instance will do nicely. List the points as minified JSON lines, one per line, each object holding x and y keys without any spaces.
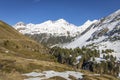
{"x":59,"y":31}
{"x":58,"y":24}
{"x":103,"y":34}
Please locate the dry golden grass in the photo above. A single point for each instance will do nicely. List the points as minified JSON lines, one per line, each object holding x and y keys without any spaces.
{"x":10,"y":76}
{"x":7,"y":32}
{"x":101,"y":77}
{"x":28,"y":65}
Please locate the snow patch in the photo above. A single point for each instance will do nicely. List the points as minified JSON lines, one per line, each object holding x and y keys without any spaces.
{"x":49,"y":74}
{"x":98,"y":60}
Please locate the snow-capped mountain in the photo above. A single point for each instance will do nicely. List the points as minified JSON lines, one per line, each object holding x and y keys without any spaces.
{"x":56,"y":28}
{"x":52,"y":32}
{"x":86,"y":25}
{"x":103,"y":34}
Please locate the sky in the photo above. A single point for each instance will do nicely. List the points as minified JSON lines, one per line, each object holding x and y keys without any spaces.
{"x":37,"y":11}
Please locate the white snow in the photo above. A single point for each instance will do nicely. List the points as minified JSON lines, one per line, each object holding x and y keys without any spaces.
{"x":34,"y":74}
{"x":49,"y":74}
{"x":36,"y":78}
{"x":78,"y":57}
{"x":110,"y":45}
{"x":57,"y":28}
{"x":98,"y":59}
{"x":81,"y":41}
{"x":112,"y":16}
{"x":77,"y":60}
{"x":86,"y":25}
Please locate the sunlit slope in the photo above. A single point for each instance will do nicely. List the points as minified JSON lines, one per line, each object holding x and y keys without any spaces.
{"x":13,"y":42}
{"x":7,"y":32}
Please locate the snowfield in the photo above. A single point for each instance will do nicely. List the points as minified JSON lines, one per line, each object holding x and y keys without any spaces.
{"x":111,"y":45}
{"x":81,"y":41}
{"x":50,"y":74}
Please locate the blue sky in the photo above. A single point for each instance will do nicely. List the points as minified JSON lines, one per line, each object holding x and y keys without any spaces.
{"x":38,"y":11}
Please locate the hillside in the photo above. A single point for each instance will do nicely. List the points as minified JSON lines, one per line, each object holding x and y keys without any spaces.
{"x":15,"y":45}
{"x":14,"y":42}
{"x":103,"y":34}
{"x":7,"y":32}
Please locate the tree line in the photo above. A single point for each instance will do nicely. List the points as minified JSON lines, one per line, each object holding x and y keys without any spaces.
{"x":68,"y":56}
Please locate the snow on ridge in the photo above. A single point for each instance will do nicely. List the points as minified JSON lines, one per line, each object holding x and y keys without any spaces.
{"x":99,"y":34}
{"x":87,"y":24}
{"x":59,"y":28}
{"x":81,"y":41}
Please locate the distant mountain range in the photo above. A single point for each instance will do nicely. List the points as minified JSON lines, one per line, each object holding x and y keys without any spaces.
{"x":52,"y":32}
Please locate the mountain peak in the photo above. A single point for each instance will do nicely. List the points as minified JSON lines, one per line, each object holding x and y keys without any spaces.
{"x":61,"y":21}
{"x":113,"y":15}
{"x":90,"y":22}
{"x":20,"y":24}
{"x":118,"y":11}
{"x":87,"y":24}
{"x":48,"y":22}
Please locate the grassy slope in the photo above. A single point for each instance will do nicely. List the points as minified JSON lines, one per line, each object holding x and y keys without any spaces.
{"x":7,"y":32}
{"x":19,"y":54}
{"x":17,"y":44}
